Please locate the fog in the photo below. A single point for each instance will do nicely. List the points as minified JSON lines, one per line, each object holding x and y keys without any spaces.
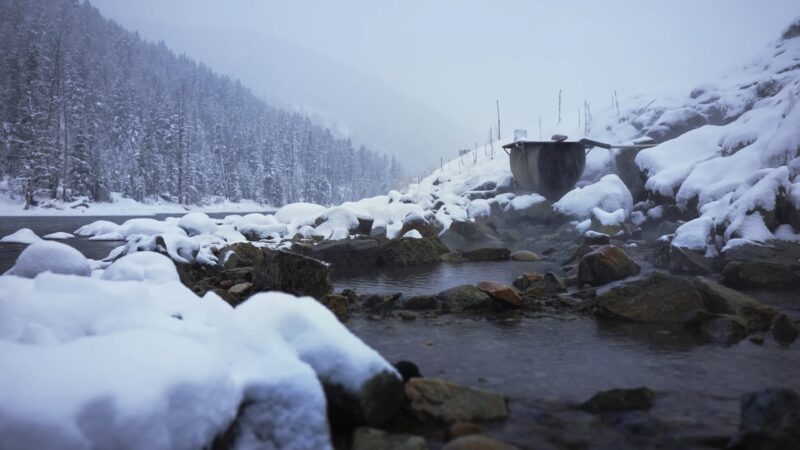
{"x":419,"y":79}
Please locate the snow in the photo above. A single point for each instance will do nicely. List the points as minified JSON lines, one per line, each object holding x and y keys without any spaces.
{"x":608,"y":194}
{"x":60,"y":235}
{"x":142,"y":266}
{"x":21,"y":236}
{"x":197,"y":223}
{"x":413,"y":234}
{"x":479,"y":208}
{"x":48,"y":256}
{"x":695,"y":234}
{"x":609,"y":218}
{"x":298,"y":212}
{"x":96,"y":363}
{"x":526,"y":201}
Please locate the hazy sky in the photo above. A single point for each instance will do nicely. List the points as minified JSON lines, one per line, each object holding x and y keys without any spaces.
{"x":419,"y":78}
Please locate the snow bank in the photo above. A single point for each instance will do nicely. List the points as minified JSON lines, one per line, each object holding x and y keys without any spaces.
{"x":47,"y":256}
{"x":91,"y":363}
{"x":608,"y":194}
{"x":21,"y":236}
{"x":142,"y":266}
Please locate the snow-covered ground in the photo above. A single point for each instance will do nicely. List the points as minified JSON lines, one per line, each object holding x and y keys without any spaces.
{"x":132,"y":359}
{"x":121,"y":206}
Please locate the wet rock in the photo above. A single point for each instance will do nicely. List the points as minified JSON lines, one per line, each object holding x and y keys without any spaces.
{"x":719,"y":299}
{"x":464,"y":298}
{"x":657,"y":298}
{"x":347,"y":252}
{"x":380,"y":305}
{"x":407,"y":370}
{"x":772,"y":266}
{"x":378,"y":230}
{"x":640,"y":398}
{"x":378,"y":401}
{"x":524,"y":255}
{"x":445,"y":402}
{"x":420,"y":303}
{"x":690,"y":262}
{"x":403,"y":252}
{"x":243,"y":254}
{"x":783,"y":329}
{"x":364,"y":225}
{"x":594,"y":238}
{"x":468,"y":231}
{"x":506,"y":295}
{"x":339,"y":305}
{"x":241,"y":289}
{"x":487,"y":254}
{"x":604,"y":265}
{"x":726,"y":330}
{"x":460,"y":429}
{"x":526,"y":280}
{"x":454,"y":257}
{"x":374,"y":439}
{"x":407,"y":315}
{"x":293,"y":273}
{"x":770,"y":419}
{"x":476,"y":442}
{"x":538,"y":285}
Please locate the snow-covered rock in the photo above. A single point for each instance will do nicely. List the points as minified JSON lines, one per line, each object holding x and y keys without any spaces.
{"x":608,"y":194}
{"x":197,"y":223}
{"x":21,"y":236}
{"x":139,"y":365}
{"x":142,"y":266}
{"x":59,"y":236}
{"x":298,"y":212}
{"x":48,"y":256}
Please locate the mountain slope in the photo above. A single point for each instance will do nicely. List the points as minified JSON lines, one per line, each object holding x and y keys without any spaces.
{"x":88,"y":108}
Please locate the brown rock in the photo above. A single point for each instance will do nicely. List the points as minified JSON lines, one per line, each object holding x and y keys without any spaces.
{"x":441,"y":401}
{"x":604,"y":265}
{"x":339,"y":306}
{"x":460,"y":429}
{"x":476,"y":442}
{"x":501,"y":292}
{"x":524,"y":255}
{"x":240,"y":289}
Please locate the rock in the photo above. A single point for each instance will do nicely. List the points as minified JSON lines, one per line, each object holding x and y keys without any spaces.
{"x":339,"y":305}
{"x":374,"y":439}
{"x":347,"y":252}
{"x":403,"y":252}
{"x":487,"y":254}
{"x":454,"y":257}
{"x":445,"y":402}
{"x":243,"y":254}
{"x":501,"y":293}
{"x":378,"y":401}
{"x":364,"y":225}
{"x":427,"y":226}
{"x":380,"y":305}
{"x":524,"y":255}
{"x":293,"y":273}
{"x":240,"y":289}
{"x":640,"y":398}
{"x":658,"y":298}
{"x":604,"y":265}
{"x":688,"y":119}
{"x":783,"y":329}
{"x":227,"y":296}
{"x":719,"y":299}
{"x":464,"y":298}
{"x":407,"y":315}
{"x":594,"y":238}
{"x":725,"y":330}
{"x":773,"y":266}
{"x":420,"y":303}
{"x":769,"y":419}
{"x":476,"y":442}
{"x":690,"y":262}
{"x":460,"y":429}
{"x":526,"y":280}
{"x":378,"y":230}
{"x":467,"y":231}
{"x":407,"y":370}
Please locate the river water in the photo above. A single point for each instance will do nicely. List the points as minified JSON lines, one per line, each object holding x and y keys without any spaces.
{"x":547,"y":359}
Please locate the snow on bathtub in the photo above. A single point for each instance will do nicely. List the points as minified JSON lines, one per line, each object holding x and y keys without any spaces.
{"x":138,"y":365}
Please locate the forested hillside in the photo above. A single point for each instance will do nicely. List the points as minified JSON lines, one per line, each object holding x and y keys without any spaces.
{"x":88,"y":108}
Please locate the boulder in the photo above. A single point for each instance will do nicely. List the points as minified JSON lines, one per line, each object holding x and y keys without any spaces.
{"x":241,"y":289}
{"x":487,"y":254}
{"x":772,"y":266}
{"x":373,"y":439}
{"x":690,"y":262}
{"x":428,"y":226}
{"x":347,"y":252}
{"x":604,"y":265}
{"x":444,"y":402}
{"x":407,"y":370}
{"x":242,"y":254}
{"x":657,"y":298}
{"x":464,"y":298}
{"x":769,"y":419}
{"x":476,"y":442}
{"x":719,"y":299}
{"x":377,"y":402}
{"x":640,"y":398}
{"x":420,"y":303}
{"x":402,"y":252}
{"x":783,"y":329}
{"x":524,"y":256}
{"x":460,"y":429}
{"x":506,"y":295}
{"x":292,"y":273}
{"x":527,"y":280}
{"x":462,"y":231}
{"x":725,"y":329}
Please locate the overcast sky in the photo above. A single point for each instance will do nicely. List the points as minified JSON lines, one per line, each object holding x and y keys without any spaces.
{"x":419,"y":78}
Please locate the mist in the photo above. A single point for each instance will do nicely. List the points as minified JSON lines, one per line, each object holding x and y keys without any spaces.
{"x":419,"y":80}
